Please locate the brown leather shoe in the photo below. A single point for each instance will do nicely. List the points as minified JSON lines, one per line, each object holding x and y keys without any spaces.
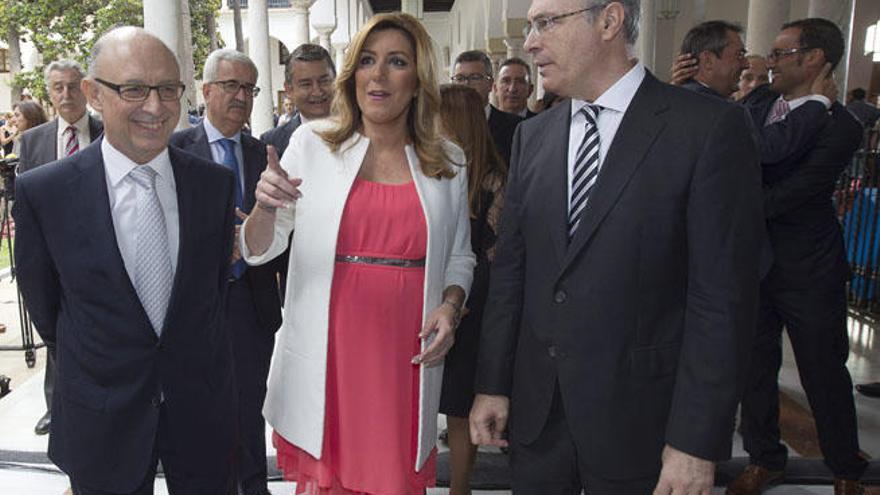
{"x":753,"y":480}
{"x":848,"y":487}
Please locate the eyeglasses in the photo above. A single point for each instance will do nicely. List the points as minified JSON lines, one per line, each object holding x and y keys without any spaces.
{"x":778,"y":53}
{"x":233,"y":87}
{"x":541,"y":24}
{"x":140,"y":92}
{"x":471,"y":79}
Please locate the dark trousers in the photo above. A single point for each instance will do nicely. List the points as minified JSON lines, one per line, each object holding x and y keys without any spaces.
{"x":179,"y":479}
{"x":49,"y":379}
{"x":816,"y":324}
{"x":252,"y":349}
{"x":551,"y":466}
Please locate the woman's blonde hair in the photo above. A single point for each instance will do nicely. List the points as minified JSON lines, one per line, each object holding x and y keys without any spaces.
{"x":423,"y":115}
{"x":464,"y":122}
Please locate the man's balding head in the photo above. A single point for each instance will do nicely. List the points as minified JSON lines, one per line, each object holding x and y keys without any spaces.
{"x":123,"y":63}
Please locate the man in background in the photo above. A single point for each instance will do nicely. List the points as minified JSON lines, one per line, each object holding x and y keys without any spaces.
{"x":513,"y":87}
{"x":71,"y":130}
{"x":308,"y":81}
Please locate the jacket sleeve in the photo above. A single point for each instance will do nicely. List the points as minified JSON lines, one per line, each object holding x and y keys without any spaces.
{"x":793,"y":134}
{"x":35,"y":269}
{"x":724,"y":232}
{"x":501,"y":321}
{"x":818,"y":173}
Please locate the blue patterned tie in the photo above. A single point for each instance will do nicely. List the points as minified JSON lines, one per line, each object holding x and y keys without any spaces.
{"x":231,"y":162}
{"x":153,"y":278}
{"x":586,"y":169}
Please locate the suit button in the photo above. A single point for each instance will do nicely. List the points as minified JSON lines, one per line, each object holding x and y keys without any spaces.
{"x":155,"y":402}
{"x":560,"y":297}
{"x":552,"y":351}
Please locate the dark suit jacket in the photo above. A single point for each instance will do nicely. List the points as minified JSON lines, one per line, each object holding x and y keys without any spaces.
{"x":112,"y":367}
{"x":264,"y":278}
{"x":280,"y":136}
{"x":645,"y":319}
{"x":502,"y":126}
{"x":804,"y":231}
{"x":39,"y":145}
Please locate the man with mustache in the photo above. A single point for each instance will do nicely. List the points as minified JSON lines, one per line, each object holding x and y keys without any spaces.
{"x":72,"y":130}
{"x":514,"y":86}
{"x":253,"y":306}
{"x":309,"y":77}
{"x":123,"y":254}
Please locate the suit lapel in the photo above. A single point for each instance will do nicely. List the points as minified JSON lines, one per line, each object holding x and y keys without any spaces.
{"x":634,"y":138}
{"x":252,"y":157}
{"x":187,"y":227}
{"x":554,"y":170}
{"x":88,"y":195}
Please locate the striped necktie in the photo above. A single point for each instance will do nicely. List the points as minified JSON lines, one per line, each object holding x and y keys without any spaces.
{"x":71,"y":143}
{"x":586,"y":168}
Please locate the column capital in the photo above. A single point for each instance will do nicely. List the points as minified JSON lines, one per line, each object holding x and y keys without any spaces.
{"x":496,"y":47}
{"x":324,"y":29}
{"x":301,"y":6}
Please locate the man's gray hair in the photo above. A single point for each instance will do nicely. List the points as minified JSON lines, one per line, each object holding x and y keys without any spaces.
{"x":63,"y":65}
{"x":631,"y":14}
{"x":212,"y":64}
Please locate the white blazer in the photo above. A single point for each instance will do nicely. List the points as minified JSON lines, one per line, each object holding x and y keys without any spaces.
{"x":295,"y":399}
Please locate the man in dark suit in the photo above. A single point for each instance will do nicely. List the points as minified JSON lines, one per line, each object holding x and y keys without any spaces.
{"x":513,"y":87}
{"x":308,"y":81}
{"x":72,"y":130}
{"x":625,"y":286}
{"x":721,"y":58}
{"x":475,"y":69}
{"x":253,"y":306}
{"x":123,"y":254}
{"x":805,"y":289}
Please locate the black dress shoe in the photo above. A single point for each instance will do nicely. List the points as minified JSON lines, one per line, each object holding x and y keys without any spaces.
{"x":869,"y":389}
{"x":43,"y":424}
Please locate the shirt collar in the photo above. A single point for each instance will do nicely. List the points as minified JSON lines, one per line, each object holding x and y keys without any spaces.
{"x":118,"y":166}
{"x":214,"y":135}
{"x":82,"y":125}
{"x":619,"y":95}
{"x":796,"y":102}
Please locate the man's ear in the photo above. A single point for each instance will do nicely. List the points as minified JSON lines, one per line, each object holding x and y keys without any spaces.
{"x":93,"y":94}
{"x":707,"y":60}
{"x":610,"y":21}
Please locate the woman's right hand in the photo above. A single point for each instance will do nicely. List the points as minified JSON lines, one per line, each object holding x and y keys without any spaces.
{"x":275,"y":189}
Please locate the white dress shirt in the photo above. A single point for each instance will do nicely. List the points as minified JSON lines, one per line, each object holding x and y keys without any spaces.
{"x":82,"y":134}
{"x":614,"y":102}
{"x":217,"y":151}
{"x":122,"y":191}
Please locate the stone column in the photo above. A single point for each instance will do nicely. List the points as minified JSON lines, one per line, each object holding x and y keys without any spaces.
{"x":765,"y":20}
{"x":258,"y":50}
{"x":339,"y":54}
{"x":300,"y":21}
{"x":324,"y":32}
{"x":513,"y":40}
{"x":826,"y":9}
{"x":412,"y":7}
{"x":162,"y":19}
{"x":647,"y":34}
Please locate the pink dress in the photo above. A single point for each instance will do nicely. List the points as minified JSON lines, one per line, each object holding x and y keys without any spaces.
{"x":372,"y":396}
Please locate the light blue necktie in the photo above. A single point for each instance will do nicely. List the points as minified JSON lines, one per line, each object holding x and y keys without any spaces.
{"x":231,"y":162}
{"x":153,"y":278}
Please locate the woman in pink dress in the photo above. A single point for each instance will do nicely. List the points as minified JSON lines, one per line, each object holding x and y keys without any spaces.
{"x":380,"y":263}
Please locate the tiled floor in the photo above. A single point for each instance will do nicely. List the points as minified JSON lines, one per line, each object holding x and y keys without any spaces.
{"x":20,"y":410}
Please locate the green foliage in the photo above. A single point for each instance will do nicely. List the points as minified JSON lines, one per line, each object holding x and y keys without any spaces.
{"x":69,"y":28}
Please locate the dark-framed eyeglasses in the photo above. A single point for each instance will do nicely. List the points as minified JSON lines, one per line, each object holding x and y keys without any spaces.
{"x":470,"y":79}
{"x":778,"y":53}
{"x":140,"y":92}
{"x":541,"y":24}
{"x":232,"y":87}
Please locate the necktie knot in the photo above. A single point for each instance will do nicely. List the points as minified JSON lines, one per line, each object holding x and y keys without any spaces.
{"x":71,"y":143}
{"x":591,"y":112}
{"x":70,"y":130}
{"x":144,"y":176}
{"x":228,"y":145}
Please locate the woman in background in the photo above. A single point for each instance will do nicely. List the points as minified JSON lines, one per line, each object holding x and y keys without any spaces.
{"x":380,"y":263}
{"x":25,"y":115}
{"x":464,"y":122}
